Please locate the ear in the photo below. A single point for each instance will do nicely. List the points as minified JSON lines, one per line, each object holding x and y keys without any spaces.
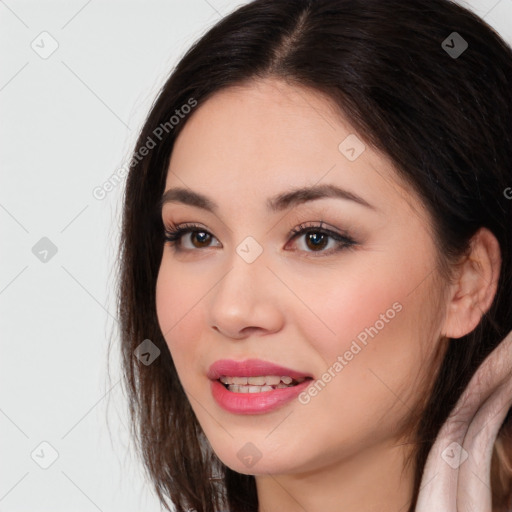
{"x":473,"y":291}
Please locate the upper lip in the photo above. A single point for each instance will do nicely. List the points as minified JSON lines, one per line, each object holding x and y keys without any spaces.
{"x":250,"y":368}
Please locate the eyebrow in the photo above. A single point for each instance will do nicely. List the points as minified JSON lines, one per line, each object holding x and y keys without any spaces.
{"x":277,"y":203}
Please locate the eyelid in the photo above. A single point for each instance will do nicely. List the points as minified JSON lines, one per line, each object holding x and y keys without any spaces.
{"x":175,"y":233}
{"x":342,"y":238}
{"x":320,"y":226}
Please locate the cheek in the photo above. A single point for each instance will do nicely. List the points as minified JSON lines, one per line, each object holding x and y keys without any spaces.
{"x":361,"y":302}
{"x":373,"y":332}
{"x":178,"y":297}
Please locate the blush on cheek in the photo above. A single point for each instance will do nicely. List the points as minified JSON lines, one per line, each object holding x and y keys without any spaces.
{"x":354,"y":309}
{"x":376,"y":326}
{"x":174,"y":304}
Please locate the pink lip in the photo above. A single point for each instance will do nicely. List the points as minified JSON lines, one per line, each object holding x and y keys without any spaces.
{"x":253,"y":403}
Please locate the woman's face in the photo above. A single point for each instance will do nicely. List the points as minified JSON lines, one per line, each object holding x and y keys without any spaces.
{"x":360,"y":315}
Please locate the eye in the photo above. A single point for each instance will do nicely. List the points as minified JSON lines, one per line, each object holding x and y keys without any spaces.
{"x":199,"y":237}
{"x":316,"y":238}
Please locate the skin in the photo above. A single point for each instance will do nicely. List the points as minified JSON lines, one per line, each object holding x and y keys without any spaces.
{"x":299,"y":306}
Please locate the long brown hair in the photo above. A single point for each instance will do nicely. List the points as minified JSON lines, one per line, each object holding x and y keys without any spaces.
{"x":445,"y":120}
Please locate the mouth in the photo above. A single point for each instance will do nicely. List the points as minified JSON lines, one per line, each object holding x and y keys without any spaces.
{"x":255,"y":386}
{"x":259,"y":384}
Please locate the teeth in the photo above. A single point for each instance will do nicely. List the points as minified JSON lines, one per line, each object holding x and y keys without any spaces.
{"x":260,"y":384}
{"x":252,"y":389}
{"x":256,"y":381}
{"x":259,"y":389}
{"x":262,"y":380}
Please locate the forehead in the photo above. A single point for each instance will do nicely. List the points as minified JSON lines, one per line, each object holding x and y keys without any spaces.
{"x":264,"y":136}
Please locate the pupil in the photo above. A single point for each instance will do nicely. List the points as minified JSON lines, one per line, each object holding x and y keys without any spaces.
{"x":202,"y":239}
{"x":317,"y":239}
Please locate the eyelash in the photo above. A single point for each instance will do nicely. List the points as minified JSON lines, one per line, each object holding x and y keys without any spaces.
{"x":173,"y":235}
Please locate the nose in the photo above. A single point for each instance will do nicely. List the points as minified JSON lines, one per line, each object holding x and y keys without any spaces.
{"x":246,"y":300}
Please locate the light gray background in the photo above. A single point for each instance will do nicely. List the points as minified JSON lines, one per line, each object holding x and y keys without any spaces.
{"x":68,"y":122}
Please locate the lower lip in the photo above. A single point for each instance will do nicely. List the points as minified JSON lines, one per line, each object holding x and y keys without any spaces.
{"x":255,"y":403}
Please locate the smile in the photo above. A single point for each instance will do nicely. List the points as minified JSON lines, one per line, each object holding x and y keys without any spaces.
{"x":259,"y":384}
{"x":254,"y":386}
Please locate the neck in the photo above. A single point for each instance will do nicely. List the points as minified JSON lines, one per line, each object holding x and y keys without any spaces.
{"x":366,"y":482}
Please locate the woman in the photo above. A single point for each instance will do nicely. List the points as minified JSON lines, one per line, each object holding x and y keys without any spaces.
{"x":316,"y":249}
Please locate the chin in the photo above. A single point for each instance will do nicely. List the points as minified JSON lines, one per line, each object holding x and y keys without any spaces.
{"x":259,"y":468}
{"x":248,"y":460}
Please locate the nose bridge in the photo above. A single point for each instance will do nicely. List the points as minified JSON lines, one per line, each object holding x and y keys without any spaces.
{"x":246,"y":274}
{"x":241,"y":298}
{"x":249,"y":250}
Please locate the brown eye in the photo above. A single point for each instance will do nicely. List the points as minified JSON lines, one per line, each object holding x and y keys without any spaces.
{"x":203,"y":238}
{"x":313,"y":239}
{"x":316,"y":240}
{"x":319,"y":240}
{"x":188,"y":237}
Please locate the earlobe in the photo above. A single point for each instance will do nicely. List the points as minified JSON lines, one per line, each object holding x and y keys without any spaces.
{"x":473,"y":291}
